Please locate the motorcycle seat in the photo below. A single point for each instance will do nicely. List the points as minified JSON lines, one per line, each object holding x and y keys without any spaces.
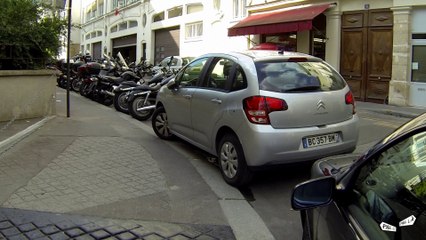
{"x":143,"y":87}
{"x":129,"y":83}
{"x":112,"y":79}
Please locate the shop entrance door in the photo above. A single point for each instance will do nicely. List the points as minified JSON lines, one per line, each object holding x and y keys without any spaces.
{"x":366,"y":53}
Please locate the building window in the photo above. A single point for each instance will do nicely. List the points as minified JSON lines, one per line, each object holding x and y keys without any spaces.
{"x":418,"y":65}
{"x":158,"y":17}
{"x":174,"y":12}
{"x":114,"y":29}
{"x":194,"y":8}
{"x":284,"y":41}
{"x":193,"y":30}
{"x":99,"y":33}
{"x":122,"y":26}
{"x":87,"y":36}
{"x":101,"y":9}
{"x":239,"y":8}
{"x":133,"y":24}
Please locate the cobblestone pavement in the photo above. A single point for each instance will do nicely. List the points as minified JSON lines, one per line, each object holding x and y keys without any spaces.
{"x":23,"y":224}
{"x":88,"y":173}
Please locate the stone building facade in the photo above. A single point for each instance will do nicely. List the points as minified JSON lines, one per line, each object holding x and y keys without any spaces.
{"x":378,"y":46}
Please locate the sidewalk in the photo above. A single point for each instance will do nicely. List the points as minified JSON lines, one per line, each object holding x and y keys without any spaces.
{"x":98,"y":175}
{"x":404,"y":112}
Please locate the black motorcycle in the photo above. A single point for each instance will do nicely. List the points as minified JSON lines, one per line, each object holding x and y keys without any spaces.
{"x":122,"y":91}
{"x":141,"y":100}
{"x":62,"y":77}
{"x":93,"y":78}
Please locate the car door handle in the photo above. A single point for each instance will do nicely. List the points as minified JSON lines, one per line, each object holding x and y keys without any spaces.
{"x":215,"y":100}
{"x":187,"y":96}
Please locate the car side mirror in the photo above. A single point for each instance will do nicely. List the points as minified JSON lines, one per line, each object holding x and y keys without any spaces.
{"x":313,"y":193}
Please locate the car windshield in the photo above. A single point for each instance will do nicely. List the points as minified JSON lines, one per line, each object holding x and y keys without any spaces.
{"x":279,"y":76}
{"x":391,"y":189}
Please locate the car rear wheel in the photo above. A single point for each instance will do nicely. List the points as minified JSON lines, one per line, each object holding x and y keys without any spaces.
{"x":232,"y":162}
{"x":160,"y":124}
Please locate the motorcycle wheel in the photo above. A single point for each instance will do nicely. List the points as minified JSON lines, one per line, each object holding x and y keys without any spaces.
{"x":62,"y":82}
{"x":84,"y":89}
{"x":160,"y":124}
{"x":120,"y":102}
{"x":75,"y":85}
{"x":136,"y":103}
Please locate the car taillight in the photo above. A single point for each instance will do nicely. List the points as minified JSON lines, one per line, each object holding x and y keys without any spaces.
{"x":349,"y":99}
{"x":257,"y":108}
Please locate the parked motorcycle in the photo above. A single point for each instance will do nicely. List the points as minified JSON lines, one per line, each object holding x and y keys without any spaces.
{"x":99,"y":87}
{"x":141,"y":100}
{"x":122,"y":91}
{"x":62,"y":66}
{"x":87,"y":73}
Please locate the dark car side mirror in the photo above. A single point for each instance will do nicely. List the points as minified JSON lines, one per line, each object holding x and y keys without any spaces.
{"x":313,"y":193}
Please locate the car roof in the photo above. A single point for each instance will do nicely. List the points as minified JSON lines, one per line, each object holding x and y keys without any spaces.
{"x":259,"y":55}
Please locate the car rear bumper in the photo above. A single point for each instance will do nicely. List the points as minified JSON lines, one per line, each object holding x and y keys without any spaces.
{"x":264,"y":145}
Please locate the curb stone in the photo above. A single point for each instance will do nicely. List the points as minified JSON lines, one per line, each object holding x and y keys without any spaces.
{"x":9,"y":142}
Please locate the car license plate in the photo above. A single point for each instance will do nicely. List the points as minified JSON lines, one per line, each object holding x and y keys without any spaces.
{"x":320,"y":140}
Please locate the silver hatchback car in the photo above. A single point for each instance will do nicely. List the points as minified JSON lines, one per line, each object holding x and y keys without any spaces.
{"x":258,"y":108}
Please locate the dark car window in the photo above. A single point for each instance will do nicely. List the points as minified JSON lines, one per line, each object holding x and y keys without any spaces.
{"x":279,"y":76}
{"x":392,"y":190}
{"x":240,"y":80}
{"x":190,"y":75}
{"x":218,"y":74}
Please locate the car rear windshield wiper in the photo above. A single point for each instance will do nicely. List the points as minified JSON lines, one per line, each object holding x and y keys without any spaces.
{"x":303,"y":88}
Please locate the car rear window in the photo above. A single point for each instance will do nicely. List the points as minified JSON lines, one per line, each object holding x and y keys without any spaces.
{"x":279,"y":76}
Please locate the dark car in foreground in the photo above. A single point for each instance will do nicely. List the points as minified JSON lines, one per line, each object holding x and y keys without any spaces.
{"x":379,"y":195}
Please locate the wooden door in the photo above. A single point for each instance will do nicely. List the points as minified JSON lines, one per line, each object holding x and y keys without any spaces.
{"x":379,"y":62}
{"x":366,"y":53}
{"x":354,"y":51}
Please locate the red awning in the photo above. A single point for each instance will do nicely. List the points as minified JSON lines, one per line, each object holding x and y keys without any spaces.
{"x":290,"y":20}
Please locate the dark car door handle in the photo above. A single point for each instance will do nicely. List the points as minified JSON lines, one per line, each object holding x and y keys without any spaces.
{"x":215,"y":100}
{"x":187,"y":96}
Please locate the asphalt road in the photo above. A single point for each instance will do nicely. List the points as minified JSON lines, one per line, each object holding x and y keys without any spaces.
{"x":269,"y":193}
{"x":272,"y":189}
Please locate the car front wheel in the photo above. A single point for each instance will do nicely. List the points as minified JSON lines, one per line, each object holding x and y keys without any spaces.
{"x":232,"y":162}
{"x":160,"y":124}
